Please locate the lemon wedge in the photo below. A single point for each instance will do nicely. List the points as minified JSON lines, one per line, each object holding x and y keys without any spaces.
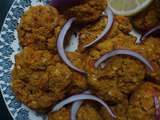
{"x":128,"y":7}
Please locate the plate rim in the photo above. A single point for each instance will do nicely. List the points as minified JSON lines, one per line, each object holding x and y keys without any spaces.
{"x":1,"y":37}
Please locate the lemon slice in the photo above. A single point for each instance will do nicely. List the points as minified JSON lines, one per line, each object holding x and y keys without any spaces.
{"x":128,"y":7}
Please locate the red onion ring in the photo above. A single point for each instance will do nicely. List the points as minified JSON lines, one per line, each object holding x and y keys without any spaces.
{"x":150,"y":32}
{"x":82,"y":97}
{"x":108,"y":12}
{"x":63,"y":3}
{"x":137,"y":35}
{"x":76,"y":105}
{"x":157,"y":108}
{"x":123,"y":52}
{"x":60,"y":46}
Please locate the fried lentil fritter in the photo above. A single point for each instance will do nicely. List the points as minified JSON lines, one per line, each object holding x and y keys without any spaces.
{"x":90,"y":32}
{"x":117,"y":79}
{"x":141,"y":104}
{"x":151,"y":51}
{"x":37,"y":80}
{"x":40,"y":79}
{"x":148,"y":18}
{"x":86,"y":12}
{"x":122,"y":74}
{"x":86,"y":112}
{"x":39,"y":27}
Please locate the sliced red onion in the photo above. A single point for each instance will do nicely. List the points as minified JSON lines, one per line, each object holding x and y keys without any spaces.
{"x":137,"y":35}
{"x":108,"y":12}
{"x":150,"y":32}
{"x":123,"y":52}
{"x":157,"y":108}
{"x":76,"y":105}
{"x":60,"y":46}
{"x":63,"y":3}
{"x":82,"y":97}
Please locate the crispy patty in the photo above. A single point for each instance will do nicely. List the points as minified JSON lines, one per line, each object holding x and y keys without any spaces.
{"x":86,"y":12}
{"x":141,"y":104}
{"x":40,"y":79}
{"x":122,"y":73}
{"x":148,"y":18}
{"x":39,"y":27}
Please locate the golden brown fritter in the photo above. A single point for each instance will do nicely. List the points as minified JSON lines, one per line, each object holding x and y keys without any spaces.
{"x":122,"y":74}
{"x":39,"y":27}
{"x":90,"y":32}
{"x":120,"y":111}
{"x":40,"y":78}
{"x":86,"y":112}
{"x":148,"y":18}
{"x":118,"y":78}
{"x":141,"y":104}
{"x":37,"y":80}
{"x":86,"y":12}
{"x":150,"y":49}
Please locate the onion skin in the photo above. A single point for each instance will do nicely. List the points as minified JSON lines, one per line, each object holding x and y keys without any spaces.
{"x":76,"y":105}
{"x":157,"y":108}
{"x":82,"y":97}
{"x":60,"y":46}
{"x":157,"y":28}
{"x":75,"y":108}
{"x":123,"y":52}
{"x":64,"y":3}
{"x":108,"y":12}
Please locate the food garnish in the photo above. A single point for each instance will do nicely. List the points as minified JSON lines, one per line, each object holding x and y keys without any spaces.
{"x":157,"y":108}
{"x":108,"y":26}
{"x":60,"y":45}
{"x":82,"y":97}
{"x":63,"y":3}
{"x":76,"y":105}
{"x":128,"y":7}
{"x":137,"y":35}
{"x":155,"y":29}
{"x":123,"y":52}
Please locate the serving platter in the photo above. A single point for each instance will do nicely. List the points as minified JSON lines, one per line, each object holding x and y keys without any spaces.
{"x":9,"y":47}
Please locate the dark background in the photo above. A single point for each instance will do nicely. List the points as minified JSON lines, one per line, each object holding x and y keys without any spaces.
{"x":4,"y":7}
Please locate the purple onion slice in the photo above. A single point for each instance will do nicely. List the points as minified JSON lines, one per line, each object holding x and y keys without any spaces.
{"x":63,"y":3}
{"x":137,"y":35}
{"x":60,"y":46}
{"x":76,"y":105}
{"x":157,"y":108}
{"x":123,"y":52}
{"x":108,"y":12}
{"x":150,"y":32}
{"x":82,"y":97}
